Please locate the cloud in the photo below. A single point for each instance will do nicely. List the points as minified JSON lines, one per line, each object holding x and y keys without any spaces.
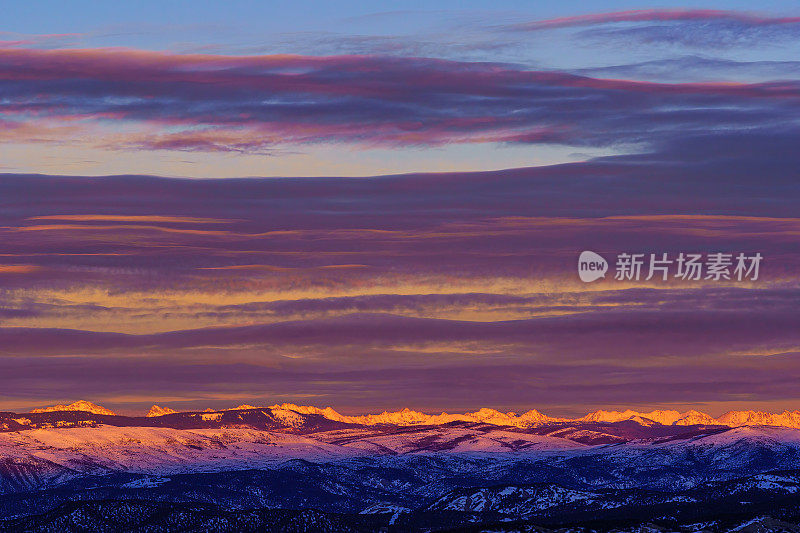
{"x":220,"y":286}
{"x":258,"y":104}
{"x":612,"y":333}
{"x":200,"y":141}
{"x":658,"y":15}
{"x":421,"y":232}
{"x":688,"y":27}
{"x":131,"y":218}
{"x":634,"y":356}
{"x":451,"y":287}
{"x":18,"y":269}
{"x":698,"y":68}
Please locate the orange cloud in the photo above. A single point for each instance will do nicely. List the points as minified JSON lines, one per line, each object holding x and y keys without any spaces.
{"x":134,"y":218}
{"x":18,"y":269}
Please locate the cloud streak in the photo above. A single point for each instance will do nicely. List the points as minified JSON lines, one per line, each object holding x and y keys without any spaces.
{"x":365,"y":292}
{"x":659,"y":15}
{"x":701,"y":28}
{"x":257,"y":104}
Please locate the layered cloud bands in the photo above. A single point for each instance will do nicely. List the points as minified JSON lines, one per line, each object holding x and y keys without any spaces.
{"x":446,"y":288}
{"x":259,"y":104}
{"x":452,"y":290}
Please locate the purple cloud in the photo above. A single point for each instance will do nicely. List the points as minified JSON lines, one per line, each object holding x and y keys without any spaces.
{"x":258,"y":103}
{"x":688,"y":27}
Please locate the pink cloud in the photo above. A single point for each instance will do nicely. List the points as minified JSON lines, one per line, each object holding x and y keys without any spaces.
{"x":658,"y":15}
{"x":256,"y":104}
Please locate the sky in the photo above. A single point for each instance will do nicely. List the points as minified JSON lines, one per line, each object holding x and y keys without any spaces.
{"x":375,"y":208}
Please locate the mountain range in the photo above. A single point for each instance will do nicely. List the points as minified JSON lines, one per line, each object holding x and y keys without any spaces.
{"x":531,"y":418}
{"x":299,"y":468}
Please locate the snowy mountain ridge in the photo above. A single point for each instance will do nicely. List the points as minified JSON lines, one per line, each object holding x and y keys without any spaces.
{"x":80,"y":405}
{"x":531,"y":418}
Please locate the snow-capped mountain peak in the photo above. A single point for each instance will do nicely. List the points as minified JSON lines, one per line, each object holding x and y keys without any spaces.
{"x":610,"y":416}
{"x":80,"y":405}
{"x":664,"y":417}
{"x":692,"y":417}
{"x":751,"y":418}
{"x":535,"y":417}
{"x":157,"y":410}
